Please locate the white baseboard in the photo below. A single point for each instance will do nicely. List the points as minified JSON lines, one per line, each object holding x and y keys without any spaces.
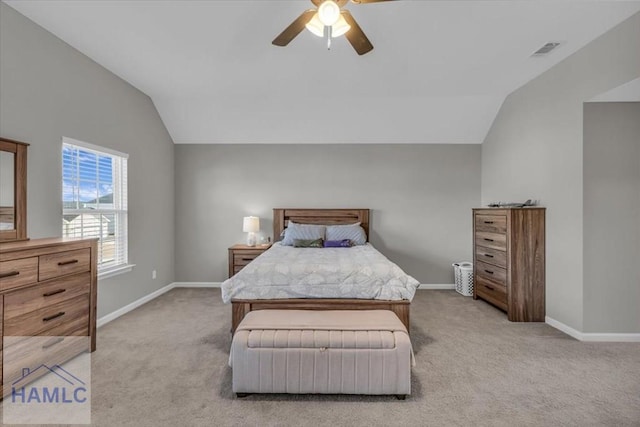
{"x":563,"y":328}
{"x":435,"y":287}
{"x":197,"y":284}
{"x":612,"y":337}
{"x":130,"y":307}
{"x":592,"y":336}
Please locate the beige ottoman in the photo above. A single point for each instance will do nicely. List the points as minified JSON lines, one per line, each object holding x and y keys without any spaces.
{"x":329,"y":352}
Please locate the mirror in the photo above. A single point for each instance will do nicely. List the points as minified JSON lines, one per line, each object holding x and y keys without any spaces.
{"x":7,"y":191}
{"x":13,"y":190}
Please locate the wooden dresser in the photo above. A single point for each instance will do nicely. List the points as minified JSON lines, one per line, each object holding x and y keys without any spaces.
{"x":509,"y":261}
{"x":48,"y":287}
{"x":241,"y":255}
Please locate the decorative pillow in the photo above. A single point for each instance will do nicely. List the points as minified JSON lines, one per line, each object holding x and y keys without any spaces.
{"x":302,"y":232}
{"x":317,"y":243}
{"x":346,"y":243}
{"x":353,"y":232}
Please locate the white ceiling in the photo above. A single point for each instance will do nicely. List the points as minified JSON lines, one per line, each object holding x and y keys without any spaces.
{"x":439,"y":72}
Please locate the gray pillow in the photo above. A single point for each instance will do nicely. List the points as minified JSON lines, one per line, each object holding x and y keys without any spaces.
{"x":302,"y":232}
{"x":353,"y":232}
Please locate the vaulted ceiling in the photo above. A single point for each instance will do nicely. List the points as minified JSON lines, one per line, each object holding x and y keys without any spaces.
{"x":439,"y":72}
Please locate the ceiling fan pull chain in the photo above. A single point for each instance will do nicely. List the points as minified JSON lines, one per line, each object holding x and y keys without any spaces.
{"x":329,"y":28}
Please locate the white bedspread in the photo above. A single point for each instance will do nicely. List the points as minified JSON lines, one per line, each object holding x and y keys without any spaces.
{"x":287,"y":272}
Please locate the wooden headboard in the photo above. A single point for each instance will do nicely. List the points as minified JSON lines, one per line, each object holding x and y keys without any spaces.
{"x":281,"y":218}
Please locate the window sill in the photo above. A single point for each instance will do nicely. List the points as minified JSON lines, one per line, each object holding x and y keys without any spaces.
{"x":115,"y":271}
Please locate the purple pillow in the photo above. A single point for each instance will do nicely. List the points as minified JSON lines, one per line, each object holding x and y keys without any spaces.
{"x":345,"y":243}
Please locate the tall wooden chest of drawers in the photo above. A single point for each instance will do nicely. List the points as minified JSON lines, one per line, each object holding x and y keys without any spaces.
{"x":48,"y":288}
{"x":509,"y":261}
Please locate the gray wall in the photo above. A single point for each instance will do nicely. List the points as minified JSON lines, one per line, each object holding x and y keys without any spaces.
{"x":534,"y":150}
{"x":611,"y":217}
{"x":420,"y":195}
{"x":49,"y":90}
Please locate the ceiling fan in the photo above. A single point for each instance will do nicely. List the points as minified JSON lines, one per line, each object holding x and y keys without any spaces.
{"x":329,"y":18}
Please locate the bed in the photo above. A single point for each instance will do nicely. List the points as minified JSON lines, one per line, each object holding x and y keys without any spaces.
{"x":245,"y":298}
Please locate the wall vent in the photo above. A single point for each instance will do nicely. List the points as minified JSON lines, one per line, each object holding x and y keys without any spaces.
{"x":546,"y":49}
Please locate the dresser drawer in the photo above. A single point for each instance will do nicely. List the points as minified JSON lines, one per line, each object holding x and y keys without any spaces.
{"x":63,"y":263}
{"x":76,"y":327}
{"x":32,"y":354}
{"x":241,"y":255}
{"x":40,"y":321}
{"x":491,"y":256}
{"x":491,"y":240}
{"x":242,"y":258}
{"x":491,"y":272}
{"x":18,"y":272}
{"x":45,"y":294}
{"x":491,"y":223}
{"x":491,"y":292}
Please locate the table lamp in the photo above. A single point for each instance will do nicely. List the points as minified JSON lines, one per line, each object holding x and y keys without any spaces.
{"x":251,"y":225}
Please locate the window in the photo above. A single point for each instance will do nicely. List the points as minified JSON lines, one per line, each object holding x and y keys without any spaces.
{"x":94,"y":200}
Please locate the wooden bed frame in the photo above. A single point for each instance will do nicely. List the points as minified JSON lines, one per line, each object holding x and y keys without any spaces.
{"x":281,"y":218}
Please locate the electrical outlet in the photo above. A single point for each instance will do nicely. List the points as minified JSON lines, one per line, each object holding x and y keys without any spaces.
{"x":154,"y":274}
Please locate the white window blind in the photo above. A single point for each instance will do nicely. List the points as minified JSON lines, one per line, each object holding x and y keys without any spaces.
{"x":94,"y":199}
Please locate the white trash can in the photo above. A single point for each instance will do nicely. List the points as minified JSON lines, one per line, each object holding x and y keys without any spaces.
{"x":463,"y":272}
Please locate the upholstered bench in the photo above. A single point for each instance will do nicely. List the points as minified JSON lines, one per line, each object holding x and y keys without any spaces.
{"x":329,"y":352}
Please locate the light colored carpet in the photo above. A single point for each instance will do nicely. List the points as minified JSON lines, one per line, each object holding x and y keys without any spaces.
{"x":165,"y":364}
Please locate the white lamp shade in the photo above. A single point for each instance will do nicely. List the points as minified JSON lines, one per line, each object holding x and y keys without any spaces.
{"x":329,"y":12}
{"x":251,"y":224}
{"x":315,"y":26}
{"x":340,"y":27}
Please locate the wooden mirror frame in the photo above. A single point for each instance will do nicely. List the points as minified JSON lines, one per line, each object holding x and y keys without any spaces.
{"x":20,"y":190}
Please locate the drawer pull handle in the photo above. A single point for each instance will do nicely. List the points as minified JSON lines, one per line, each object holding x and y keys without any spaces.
{"x":55,"y":316}
{"x":9,"y":274}
{"x":488,"y":271}
{"x":488,"y":222}
{"x":247,"y":259}
{"x":57,"y":291}
{"x":488,"y":256}
{"x":73,"y":261}
{"x":491,"y":288}
{"x":488,"y":240}
{"x":52,"y":343}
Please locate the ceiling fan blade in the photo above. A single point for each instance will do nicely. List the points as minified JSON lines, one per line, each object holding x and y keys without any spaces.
{"x":356,"y":36}
{"x":317,"y":3}
{"x":368,"y":1}
{"x":294,"y":29}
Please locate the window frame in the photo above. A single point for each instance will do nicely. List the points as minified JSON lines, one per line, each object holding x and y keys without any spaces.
{"x":125,"y":266}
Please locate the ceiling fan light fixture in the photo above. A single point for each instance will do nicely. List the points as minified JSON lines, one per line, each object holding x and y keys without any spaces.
{"x":328,"y":20}
{"x":340,"y":27}
{"x":329,"y":13}
{"x":315,"y":26}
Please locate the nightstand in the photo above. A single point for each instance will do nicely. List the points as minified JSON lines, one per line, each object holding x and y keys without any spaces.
{"x":241,"y":255}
